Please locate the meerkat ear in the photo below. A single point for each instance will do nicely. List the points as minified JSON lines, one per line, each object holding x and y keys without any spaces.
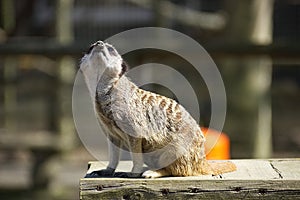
{"x":124,"y":68}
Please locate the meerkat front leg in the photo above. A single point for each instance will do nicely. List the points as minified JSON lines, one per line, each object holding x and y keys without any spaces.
{"x":114,"y":150}
{"x":137,"y":156}
{"x":114,"y":146}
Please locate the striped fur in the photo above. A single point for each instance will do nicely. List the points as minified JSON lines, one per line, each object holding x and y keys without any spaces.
{"x":145,"y":122}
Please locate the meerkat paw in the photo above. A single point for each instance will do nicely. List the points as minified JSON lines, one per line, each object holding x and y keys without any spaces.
{"x":128,"y":175}
{"x":154,"y":174}
{"x":109,"y":172}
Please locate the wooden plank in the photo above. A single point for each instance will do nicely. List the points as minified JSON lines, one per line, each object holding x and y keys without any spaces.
{"x":287,"y":169}
{"x":254,"y":179}
{"x":124,"y":166}
{"x":248,"y":169}
{"x":184,"y":188}
{"x":252,"y":170}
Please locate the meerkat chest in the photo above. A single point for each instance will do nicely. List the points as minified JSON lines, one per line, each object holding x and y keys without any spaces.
{"x":111,"y":130}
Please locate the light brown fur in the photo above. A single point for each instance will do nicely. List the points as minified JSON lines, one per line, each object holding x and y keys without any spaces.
{"x":144,"y":122}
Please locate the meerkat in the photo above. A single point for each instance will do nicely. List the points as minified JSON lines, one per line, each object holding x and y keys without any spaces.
{"x":143,"y":122}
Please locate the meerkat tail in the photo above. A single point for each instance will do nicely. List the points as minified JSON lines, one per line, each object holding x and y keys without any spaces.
{"x":221,"y":167}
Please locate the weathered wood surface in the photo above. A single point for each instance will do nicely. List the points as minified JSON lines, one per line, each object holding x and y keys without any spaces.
{"x":254,"y":179}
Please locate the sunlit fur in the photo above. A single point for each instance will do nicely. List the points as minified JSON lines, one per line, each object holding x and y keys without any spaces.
{"x":144,"y":122}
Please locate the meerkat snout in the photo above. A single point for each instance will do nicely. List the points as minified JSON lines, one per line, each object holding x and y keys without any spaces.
{"x":100,"y":46}
{"x":98,"y":43}
{"x":100,"y":57}
{"x":107,"y":56}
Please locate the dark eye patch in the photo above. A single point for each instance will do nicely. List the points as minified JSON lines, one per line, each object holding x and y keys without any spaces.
{"x":110,"y":49}
{"x":90,"y":49}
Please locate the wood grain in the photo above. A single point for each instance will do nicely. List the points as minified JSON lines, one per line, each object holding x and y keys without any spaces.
{"x":254,"y":179}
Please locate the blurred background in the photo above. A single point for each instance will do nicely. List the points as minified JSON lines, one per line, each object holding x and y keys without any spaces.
{"x":255,"y":44}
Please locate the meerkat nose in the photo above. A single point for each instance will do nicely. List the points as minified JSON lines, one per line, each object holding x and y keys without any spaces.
{"x":98,"y":43}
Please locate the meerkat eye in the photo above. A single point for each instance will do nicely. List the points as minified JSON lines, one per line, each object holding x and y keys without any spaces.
{"x":111,"y":50}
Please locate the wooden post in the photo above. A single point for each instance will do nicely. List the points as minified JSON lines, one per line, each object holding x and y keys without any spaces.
{"x":65,"y":73}
{"x":10,"y":70}
{"x":262,"y":34}
{"x":160,"y":20}
{"x":63,"y":103}
{"x":8,"y":15}
{"x":248,"y":79}
{"x":10,"y":94}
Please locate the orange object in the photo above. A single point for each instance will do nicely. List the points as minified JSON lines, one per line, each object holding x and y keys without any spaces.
{"x":217,"y":144}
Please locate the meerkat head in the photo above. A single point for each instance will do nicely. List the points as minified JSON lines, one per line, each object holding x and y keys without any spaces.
{"x":105,"y":56}
{"x":101,"y":57}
